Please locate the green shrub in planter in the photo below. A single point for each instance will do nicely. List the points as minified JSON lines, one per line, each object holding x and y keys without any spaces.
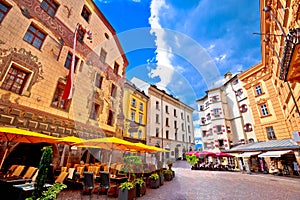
{"x":168,"y":174}
{"x":154,"y":180}
{"x":127,"y":191}
{"x":140,"y":185}
{"x":192,"y":160}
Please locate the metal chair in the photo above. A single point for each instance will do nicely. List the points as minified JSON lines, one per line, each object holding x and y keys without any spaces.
{"x":105,"y":186}
{"x":88,"y":183}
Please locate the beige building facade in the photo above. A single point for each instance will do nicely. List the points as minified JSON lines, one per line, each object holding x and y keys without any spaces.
{"x":36,"y":47}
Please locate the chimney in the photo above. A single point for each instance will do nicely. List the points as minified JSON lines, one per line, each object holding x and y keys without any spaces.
{"x":228,"y":76}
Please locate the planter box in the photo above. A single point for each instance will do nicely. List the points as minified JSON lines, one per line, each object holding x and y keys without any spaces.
{"x":127,"y":194}
{"x":161,"y":180}
{"x":154,"y":184}
{"x":140,"y":191}
{"x":168,"y":177}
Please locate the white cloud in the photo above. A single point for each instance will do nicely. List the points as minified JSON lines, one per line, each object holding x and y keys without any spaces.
{"x":164,"y":69}
{"x":221,"y":58}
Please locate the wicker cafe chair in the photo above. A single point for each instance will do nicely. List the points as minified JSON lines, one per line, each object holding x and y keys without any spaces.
{"x":18,"y":171}
{"x":29,"y":173}
{"x":62,"y":176}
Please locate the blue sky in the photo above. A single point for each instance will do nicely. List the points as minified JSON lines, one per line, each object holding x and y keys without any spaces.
{"x":185,"y":47}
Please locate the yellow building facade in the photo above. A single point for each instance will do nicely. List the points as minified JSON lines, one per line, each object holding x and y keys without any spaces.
{"x":135,"y":113}
{"x":273,"y":99}
{"x":36,"y":48}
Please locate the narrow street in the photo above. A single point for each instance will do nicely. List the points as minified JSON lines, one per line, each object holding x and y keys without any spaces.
{"x":197,"y":184}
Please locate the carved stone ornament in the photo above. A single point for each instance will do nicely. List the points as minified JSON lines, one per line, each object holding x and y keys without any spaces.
{"x":23,"y":58}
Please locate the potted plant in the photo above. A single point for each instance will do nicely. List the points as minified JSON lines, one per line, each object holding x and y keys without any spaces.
{"x":140,"y":186}
{"x":161,"y":178}
{"x":51,"y":192}
{"x":192,"y":160}
{"x":154,"y":180}
{"x":168,"y":174}
{"x":127,"y":191}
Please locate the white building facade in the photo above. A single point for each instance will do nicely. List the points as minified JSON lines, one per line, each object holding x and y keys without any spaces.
{"x":224,"y":116}
{"x":170,"y":124}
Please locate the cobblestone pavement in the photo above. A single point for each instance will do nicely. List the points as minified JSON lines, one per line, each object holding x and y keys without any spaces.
{"x":216,"y":185}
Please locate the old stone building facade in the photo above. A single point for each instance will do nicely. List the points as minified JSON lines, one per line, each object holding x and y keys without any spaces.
{"x":36,"y":47}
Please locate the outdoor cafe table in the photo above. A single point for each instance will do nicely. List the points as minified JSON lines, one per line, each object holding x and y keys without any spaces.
{"x":6,"y":184}
{"x":23,"y":191}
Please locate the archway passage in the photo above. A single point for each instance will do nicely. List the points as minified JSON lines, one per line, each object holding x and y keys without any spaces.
{"x":25,"y":154}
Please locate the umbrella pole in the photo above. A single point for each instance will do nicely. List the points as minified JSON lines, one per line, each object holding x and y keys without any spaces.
{"x":2,"y":161}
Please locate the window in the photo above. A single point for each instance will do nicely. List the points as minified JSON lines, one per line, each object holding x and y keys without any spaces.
{"x":167,"y":122}
{"x":94,"y":111}
{"x":204,"y":133}
{"x":219,"y":128}
{"x":208,"y":117}
{"x":175,"y":113}
{"x":216,"y":112}
{"x":57,"y":99}
{"x":176,"y":135}
{"x":201,"y":108}
{"x":228,"y":129}
{"x":167,"y":134}
{"x":103,"y":54}
{"x":239,"y":92}
{"x":140,"y":118}
{"x":132,"y":116}
{"x":188,"y":118}
{"x":181,"y":115}
{"x":175,"y":125}
{"x":50,"y":7}
{"x":203,"y":120}
{"x":113,"y":91}
{"x":98,"y":81}
{"x":182,"y":138}
{"x":167,"y":109}
{"x":110,"y":118}
{"x":243,"y":108}
{"x":182,"y":126}
{"x":251,"y":140}
{"x":116,"y":68}
{"x":189,"y":128}
{"x":80,"y":34}
{"x":264,"y":110}
{"x":236,"y":81}
{"x":271,"y":133}
{"x":157,"y":119}
{"x":131,"y":134}
{"x":3,"y":11}
{"x":133,"y":102}
{"x":15,"y":80}
{"x":214,"y":99}
{"x":258,"y":90}
{"x":190,"y":139}
{"x":34,"y":36}
{"x":157,"y":132}
{"x":86,"y":13}
{"x":140,"y":134}
{"x":141,"y":106}
{"x":221,"y":143}
{"x":68,"y":61}
{"x":248,"y":127}
{"x":207,"y":104}
{"x":157,"y":105}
